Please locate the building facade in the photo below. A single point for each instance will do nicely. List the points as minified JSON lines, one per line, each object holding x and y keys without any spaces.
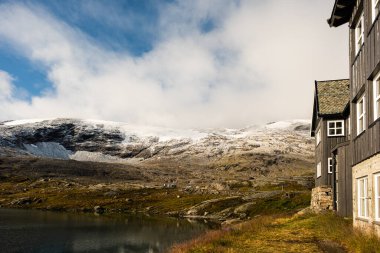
{"x":331,"y":129}
{"x":363,"y":151}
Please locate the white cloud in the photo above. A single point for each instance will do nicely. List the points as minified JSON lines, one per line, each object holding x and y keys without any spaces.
{"x":257,"y":65}
{"x":6,"y":86}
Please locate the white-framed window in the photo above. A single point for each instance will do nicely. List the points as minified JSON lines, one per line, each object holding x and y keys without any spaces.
{"x":377,"y":196}
{"x":375,"y":9}
{"x":359,"y":34}
{"x":360,"y":111}
{"x":329,"y":165}
{"x":319,"y":170}
{"x":318,"y":137}
{"x":335,"y":128}
{"x":376,"y":96}
{"x":362,"y":197}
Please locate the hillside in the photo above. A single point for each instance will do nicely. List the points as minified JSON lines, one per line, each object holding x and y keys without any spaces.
{"x":60,"y":163}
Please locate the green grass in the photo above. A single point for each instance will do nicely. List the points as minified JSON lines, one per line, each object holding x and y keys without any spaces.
{"x":276,"y":233}
{"x":280,"y":204}
{"x":58,"y":197}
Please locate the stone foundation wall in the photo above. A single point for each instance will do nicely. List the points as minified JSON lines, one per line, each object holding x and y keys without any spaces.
{"x":322,"y":198}
{"x":367,"y":168}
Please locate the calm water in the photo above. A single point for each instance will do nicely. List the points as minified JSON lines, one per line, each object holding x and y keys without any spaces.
{"x":38,"y":231}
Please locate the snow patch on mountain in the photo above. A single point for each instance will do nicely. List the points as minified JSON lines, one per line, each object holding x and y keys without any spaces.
{"x":48,"y":149}
{"x":95,"y":140}
{"x":289,"y":124}
{"x":24,"y":121}
{"x":95,"y":157}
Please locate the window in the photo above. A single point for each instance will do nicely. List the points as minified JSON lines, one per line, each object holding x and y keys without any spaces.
{"x":376,"y":96}
{"x":319,"y":170}
{"x":363,"y":197}
{"x":375,"y":9}
{"x":359,"y":34}
{"x":377,"y":196}
{"x":329,"y":165}
{"x":360,"y":109}
{"x":318,"y":137}
{"x":335,"y":128}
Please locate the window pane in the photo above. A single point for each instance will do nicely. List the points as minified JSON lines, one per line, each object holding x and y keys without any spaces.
{"x":360,"y":107}
{"x":331,"y":124}
{"x":361,"y":188}
{"x":362,"y":204}
{"x":339,"y":131}
{"x":339,"y":124}
{"x":332,"y":131}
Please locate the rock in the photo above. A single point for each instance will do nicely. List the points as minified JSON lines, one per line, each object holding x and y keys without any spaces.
{"x":303,"y":211}
{"x":225,"y":214}
{"x":98,"y":209}
{"x":203,"y":207}
{"x":321,"y":198}
{"x":170,"y":185}
{"x":219,"y":187}
{"x":22,"y":201}
{"x":174,"y":214}
{"x":242,"y":216}
{"x":262,"y":195}
{"x":110,"y":194}
{"x":245,"y":208}
{"x":25,"y":201}
{"x":128,"y":200}
{"x":230,"y":222}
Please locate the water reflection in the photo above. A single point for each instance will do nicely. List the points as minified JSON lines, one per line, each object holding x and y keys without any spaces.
{"x":38,"y":231}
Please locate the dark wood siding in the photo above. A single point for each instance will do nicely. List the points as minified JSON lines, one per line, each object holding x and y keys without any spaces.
{"x":364,"y":66}
{"x":344,"y":181}
{"x":367,"y":144}
{"x":373,"y":47}
{"x":324,"y":151}
{"x":358,"y":78}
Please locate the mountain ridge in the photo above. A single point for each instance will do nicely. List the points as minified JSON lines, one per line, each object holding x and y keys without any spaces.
{"x":105,"y":141}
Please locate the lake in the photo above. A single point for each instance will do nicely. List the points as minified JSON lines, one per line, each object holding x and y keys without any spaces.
{"x":41,"y":231}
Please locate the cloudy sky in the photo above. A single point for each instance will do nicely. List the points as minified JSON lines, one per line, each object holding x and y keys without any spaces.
{"x":185,"y":63}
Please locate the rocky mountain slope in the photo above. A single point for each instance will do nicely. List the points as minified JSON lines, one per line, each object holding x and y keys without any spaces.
{"x":86,"y":165}
{"x":258,"y":153}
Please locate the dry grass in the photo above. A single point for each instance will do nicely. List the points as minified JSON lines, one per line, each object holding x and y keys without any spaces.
{"x":308,"y":233}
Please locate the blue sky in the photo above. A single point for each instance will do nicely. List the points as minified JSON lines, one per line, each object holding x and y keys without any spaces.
{"x":179,"y":63}
{"x":134,"y":34}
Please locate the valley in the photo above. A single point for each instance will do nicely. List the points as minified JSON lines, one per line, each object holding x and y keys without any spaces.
{"x":224,"y":175}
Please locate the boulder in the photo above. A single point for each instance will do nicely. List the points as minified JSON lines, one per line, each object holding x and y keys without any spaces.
{"x":245,"y":208}
{"x":262,"y":195}
{"x":213,"y":205}
{"x":99,"y":209}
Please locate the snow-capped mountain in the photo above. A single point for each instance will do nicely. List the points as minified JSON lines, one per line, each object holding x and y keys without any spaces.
{"x":94,"y":140}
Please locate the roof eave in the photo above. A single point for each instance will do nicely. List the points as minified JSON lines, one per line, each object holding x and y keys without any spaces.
{"x":341,"y":12}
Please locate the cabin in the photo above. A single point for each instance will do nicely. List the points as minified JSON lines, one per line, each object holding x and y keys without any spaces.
{"x":331,"y":129}
{"x":363,"y":152}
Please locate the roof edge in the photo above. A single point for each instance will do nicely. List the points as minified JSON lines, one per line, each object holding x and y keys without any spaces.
{"x":341,"y":12}
{"x":343,"y":79}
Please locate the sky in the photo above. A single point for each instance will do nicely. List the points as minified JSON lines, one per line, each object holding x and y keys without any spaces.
{"x":172,"y":63}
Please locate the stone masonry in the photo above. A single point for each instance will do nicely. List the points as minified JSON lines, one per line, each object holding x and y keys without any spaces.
{"x":321,"y":198}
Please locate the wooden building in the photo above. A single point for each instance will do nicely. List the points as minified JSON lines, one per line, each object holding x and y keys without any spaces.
{"x":363,"y":151}
{"x":331,"y":129}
